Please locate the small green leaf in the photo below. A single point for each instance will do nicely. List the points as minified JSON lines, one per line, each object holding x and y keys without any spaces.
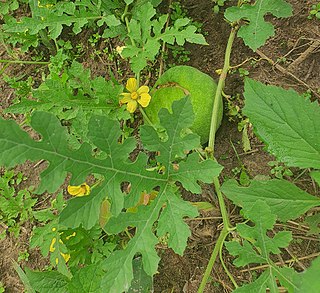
{"x":42,"y":237}
{"x":315,"y":175}
{"x":286,"y":122}
{"x":50,"y":282}
{"x":148,"y":34}
{"x":87,"y":279}
{"x":313,"y":222}
{"x":171,"y":221}
{"x":257,"y":30}
{"x":284,"y":199}
{"x":267,"y":281}
{"x":191,"y":168}
{"x":257,"y":246}
{"x":141,"y":283}
{"x":245,"y":253}
{"x":309,"y":280}
{"x":260,"y":214}
{"x":23,"y":277}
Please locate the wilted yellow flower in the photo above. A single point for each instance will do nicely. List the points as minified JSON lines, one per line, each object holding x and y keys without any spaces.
{"x":79,"y":190}
{"x":136,"y":95}
{"x":66,"y":256}
{"x":52,"y":248}
{"x":119,"y":50}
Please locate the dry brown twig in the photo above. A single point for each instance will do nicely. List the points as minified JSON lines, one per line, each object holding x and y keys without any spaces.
{"x":313,"y":255}
{"x":311,"y":49}
{"x":286,"y":72}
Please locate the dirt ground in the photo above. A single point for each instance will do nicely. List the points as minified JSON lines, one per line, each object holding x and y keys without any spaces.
{"x":290,"y":59}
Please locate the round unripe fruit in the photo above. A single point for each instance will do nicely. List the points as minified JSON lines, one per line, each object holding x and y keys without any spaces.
{"x":179,"y":82}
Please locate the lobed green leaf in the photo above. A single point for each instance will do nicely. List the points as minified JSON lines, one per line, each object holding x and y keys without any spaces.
{"x":16,"y":146}
{"x":257,"y":247}
{"x":257,"y":30}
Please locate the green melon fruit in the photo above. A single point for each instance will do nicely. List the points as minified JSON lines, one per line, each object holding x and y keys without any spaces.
{"x":178,"y":82}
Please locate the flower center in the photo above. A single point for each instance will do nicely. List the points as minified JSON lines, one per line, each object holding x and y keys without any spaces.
{"x":134,"y":95}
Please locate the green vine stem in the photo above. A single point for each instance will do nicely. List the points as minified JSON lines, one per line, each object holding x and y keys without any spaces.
{"x":217,"y":98}
{"x":24,"y":62}
{"x":223,"y":234}
{"x":224,"y":265}
{"x":223,"y":209}
{"x":213,"y":127}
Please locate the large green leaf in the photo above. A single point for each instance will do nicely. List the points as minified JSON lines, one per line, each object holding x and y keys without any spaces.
{"x":16,"y":146}
{"x":287,"y":122}
{"x":285,"y":199}
{"x":257,"y":30}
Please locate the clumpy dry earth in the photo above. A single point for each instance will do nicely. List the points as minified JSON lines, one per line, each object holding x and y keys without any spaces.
{"x":291,"y":60}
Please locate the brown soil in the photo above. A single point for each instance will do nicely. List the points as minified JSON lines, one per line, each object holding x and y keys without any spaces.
{"x":294,"y":36}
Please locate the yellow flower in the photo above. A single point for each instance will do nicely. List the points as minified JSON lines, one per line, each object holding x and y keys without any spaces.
{"x":79,"y":190}
{"x":136,"y":95}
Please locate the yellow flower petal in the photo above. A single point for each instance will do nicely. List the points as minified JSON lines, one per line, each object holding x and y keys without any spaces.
{"x":72,"y":235}
{"x":132,"y":106}
{"x":143,"y":89}
{"x":52,"y":248}
{"x":66,"y":256}
{"x":126,"y":98}
{"x":144,"y":99}
{"x":79,"y":190}
{"x":131,"y":85}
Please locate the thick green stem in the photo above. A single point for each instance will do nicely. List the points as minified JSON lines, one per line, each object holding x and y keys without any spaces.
{"x":215,"y":252}
{"x":217,"y":100}
{"x":213,"y":127}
